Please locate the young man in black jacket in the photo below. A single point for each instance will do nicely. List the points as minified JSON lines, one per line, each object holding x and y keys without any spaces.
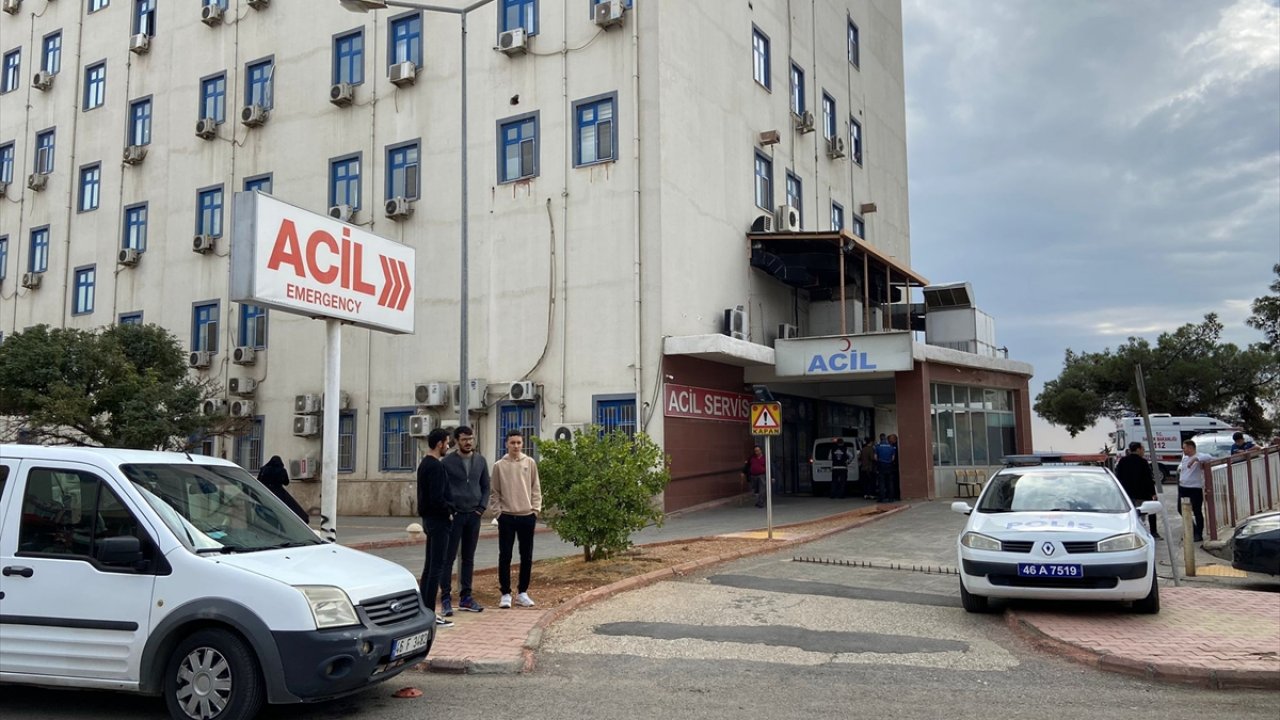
{"x":1134,"y":473}
{"x":435,"y":506}
{"x":468,"y":473}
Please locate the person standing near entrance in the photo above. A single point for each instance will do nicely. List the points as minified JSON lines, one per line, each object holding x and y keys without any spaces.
{"x":867,"y":471}
{"x":469,"y":485}
{"x":1191,"y":484}
{"x":886,"y":456}
{"x":754,"y":469}
{"x":895,"y":473}
{"x":1134,"y":473}
{"x":516,"y":495}
{"x":435,"y":506}
{"x":840,"y":457}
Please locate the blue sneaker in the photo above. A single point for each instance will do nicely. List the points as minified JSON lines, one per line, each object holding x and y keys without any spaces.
{"x":446,"y":606}
{"x":470,"y":605}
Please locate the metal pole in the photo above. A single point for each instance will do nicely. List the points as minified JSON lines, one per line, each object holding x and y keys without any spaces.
{"x":1156,"y":475}
{"x":768,"y":483}
{"x":329,"y":446}
{"x":464,"y":407}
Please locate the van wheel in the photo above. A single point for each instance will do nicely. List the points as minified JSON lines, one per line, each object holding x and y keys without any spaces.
{"x":213,"y":675}
{"x":1149,"y":605}
{"x":972,"y":603}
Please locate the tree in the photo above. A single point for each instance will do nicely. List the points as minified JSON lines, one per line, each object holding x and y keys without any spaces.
{"x":1266,"y":313}
{"x":123,"y":386}
{"x":600,"y":488}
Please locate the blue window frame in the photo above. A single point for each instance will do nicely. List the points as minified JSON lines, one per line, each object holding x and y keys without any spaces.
{"x":344,"y":181}
{"x":616,"y":413}
{"x":132,"y":318}
{"x":96,"y":5}
{"x":797,"y":90}
{"x":406,"y":40}
{"x":853,"y":44}
{"x":855,"y":140}
{"x":38,"y":260}
{"x":596,"y":139}
{"x":253,"y":326}
{"x":52,"y":53}
{"x":258,"y":183}
{"x":140,"y":122}
{"x":95,"y":85}
{"x":204,"y":326}
{"x":348,"y":58}
{"x":135,"y":227}
{"x":209,"y":211}
{"x":859,"y":227}
{"x":248,"y":452}
{"x":764,"y":181}
{"x":402,"y":170}
{"x":795,"y":195}
{"x":213,"y":97}
{"x":259,"y":87}
{"x":837,"y":216}
{"x":45,"y":147}
{"x":518,"y":416}
{"x":86,"y":280}
{"x":396,"y":445}
{"x":347,"y":441}
{"x":518,"y":145}
{"x":12,"y":71}
{"x":520,"y":13}
{"x":90,"y":187}
{"x":4,"y":256}
{"x":828,"y":116}
{"x":760,"y":58}
{"x":6,"y":163}
{"x":144,"y":17}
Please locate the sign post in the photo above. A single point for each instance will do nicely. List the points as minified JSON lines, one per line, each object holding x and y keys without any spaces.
{"x":766,"y":420}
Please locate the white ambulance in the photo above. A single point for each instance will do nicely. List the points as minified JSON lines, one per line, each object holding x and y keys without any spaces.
{"x":1169,"y":432}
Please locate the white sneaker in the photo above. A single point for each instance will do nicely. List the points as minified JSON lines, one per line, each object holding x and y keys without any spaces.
{"x":524,"y":600}
{"x":505,"y":602}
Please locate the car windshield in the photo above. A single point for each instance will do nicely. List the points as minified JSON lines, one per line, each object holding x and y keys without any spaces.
{"x":215,"y":508}
{"x":1053,"y":491}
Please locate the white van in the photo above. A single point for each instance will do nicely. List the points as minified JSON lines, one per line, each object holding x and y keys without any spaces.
{"x":1169,"y":431}
{"x":181,"y":575}
{"x":820,"y":463}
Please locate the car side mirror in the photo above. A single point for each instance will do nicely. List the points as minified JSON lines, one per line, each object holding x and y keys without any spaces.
{"x":1150,"y":507}
{"x":961,"y":507}
{"x":121,"y":551}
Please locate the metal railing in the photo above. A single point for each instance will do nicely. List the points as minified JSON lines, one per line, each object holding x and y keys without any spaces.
{"x":1239,"y":486}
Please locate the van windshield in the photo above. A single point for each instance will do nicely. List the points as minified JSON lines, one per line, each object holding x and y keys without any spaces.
{"x":214,"y":508}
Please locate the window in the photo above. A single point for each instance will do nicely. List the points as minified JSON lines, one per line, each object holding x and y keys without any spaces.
{"x":209,"y":211}
{"x":51,"y":61}
{"x":347,"y":441}
{"x":90,"y":187}
{"x":12,"y":71}
{"x":795,"y":195}
{"x":133,"y":318}
{"x":828,"y":116}
{"x":253,"y":326}
{"x":144,"y":17}
{"x":95,"y":85}
{"x":344,"y":181}
{"x":518,"y":416}
{"x":96,"y":5}
{"x":518,"y":143}
{"x":258,"y":183}
{"x":258,"y":91}
{"x":44,"y":151}
{"x":140,"y":122}
{"x":617,"y":413}
{"x":204,"y":327}
{"x":6,"y":163}
{"x":760,"y":57}
{"x":4,"y":256}
{"x":86,"y":279}
{"x":859,"y":228}
{"x":348,"y":58}
{"x":520,"y":13}
{"x":853,"y":44}
{"x":248,"y":452}
{"x":406,"y":40}
{"x":597,"y":133}
{"x":213,"y":97}
{"x":764,"y":182}
{"x":402,"y":170}
{"x":837,"y":216}
{"x":855,"y":140}
{"x":66,"y":512}
{"x":39,"y":258}
{"x":797,"y":89}
{"x":135,"y":227}
{"x":397,"y":446}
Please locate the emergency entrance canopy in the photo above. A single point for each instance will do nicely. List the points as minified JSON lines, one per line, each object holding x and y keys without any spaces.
{"x":301,"y":262}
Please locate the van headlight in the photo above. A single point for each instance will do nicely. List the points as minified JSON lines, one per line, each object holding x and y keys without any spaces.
{"x":978,"y":541}
{"x":1127,"y":541}
{"x":330,"y":606}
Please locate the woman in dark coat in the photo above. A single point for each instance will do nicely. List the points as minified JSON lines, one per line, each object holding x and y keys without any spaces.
{"x":275,"y":477}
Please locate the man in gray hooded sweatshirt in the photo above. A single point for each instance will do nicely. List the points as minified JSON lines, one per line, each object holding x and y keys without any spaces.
{"x":468,"y":473}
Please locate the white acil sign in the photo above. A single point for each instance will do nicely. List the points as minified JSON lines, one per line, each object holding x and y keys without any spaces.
{"x":846,"y":355}
{"x":310,"y":264}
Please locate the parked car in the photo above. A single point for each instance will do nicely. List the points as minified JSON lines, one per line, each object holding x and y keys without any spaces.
{"x":1255,"y":545}
{"x":1061,"y":532}
{"x":820,"y":462}
{"x":181,"y":575}
{"x":1216,"y":444}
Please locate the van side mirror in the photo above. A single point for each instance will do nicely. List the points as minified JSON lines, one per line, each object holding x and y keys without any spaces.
{"x":961,"y":507}
{"x":122,"y":551}
{"x":1150,"y":507}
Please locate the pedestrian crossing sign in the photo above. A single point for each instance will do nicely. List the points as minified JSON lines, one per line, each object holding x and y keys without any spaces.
{"x":766,"y":418}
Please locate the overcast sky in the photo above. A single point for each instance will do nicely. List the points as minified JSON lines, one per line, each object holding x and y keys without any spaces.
{"x":1097,"y":169}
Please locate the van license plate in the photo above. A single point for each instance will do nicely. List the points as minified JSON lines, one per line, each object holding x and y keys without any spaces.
{"x":409,"y":645}
{"x":1043,"y":570}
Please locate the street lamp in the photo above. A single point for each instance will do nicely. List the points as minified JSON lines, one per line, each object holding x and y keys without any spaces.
{"x":464,"y":407}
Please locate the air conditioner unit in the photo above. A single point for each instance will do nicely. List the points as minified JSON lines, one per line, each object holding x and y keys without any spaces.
{"x":243,"y":355}
{"x":568,"y":431}
{"x":207,"y":128}
{"x":139,"y":44}
{"x":217,"y":406}
{"x":135,"y":154}
{"x":12,"y":6}
{"x":803,"y":121}
{"x":735,"y":322}
{"x":786,"y":331}
{"x":303,"y":468}
{"x":421,"y":425}
{"x":763,"y":223}
{"x":31,"y":280}
{"x":431,"y":394}
{"x":476,"y":390}
{"x":835,"y":147}
{"x":522,"y":391}
{"x":259,"y":4}
{"x":787,"y":219}
{"x":200,"y":359}
{"x":402,"y":74}
{"x":609,"y":13}
{"x":242,"y":408}
{"x":398,"y":208}
{"x":342,"y":212}
{"x":242,"y":386}
{"x":37,"y":181}
{"x":203,"y":244}
{"x":211,"y":15}
{"x":306,"y":425}
{"x":513,"y":42}
{"x":344,"y":400}
{"x":307,"y":404}
{"x":42,"y":80}
{"x":342,"y":94}
{"x":254,"y":115}
{"x":128,"y":257}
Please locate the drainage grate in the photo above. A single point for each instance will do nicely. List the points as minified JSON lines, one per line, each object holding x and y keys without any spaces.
{"x":926,"y":569}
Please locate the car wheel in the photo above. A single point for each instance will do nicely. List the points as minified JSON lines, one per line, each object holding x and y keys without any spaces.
{"x":213,"y":675}
{"x":1149,"y":605}
{"x":972,"y":603}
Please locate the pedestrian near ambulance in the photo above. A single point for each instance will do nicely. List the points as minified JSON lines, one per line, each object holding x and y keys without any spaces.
{"x":516,"y":495}
{"x":754,"y":469}
{"x":1134,"y":473}
{"x":468,"y":474}
{"x":435,"y":506}
{"x":1191,"y":484}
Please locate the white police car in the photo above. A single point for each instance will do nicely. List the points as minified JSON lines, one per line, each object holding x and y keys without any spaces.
{"x":1061,"y":532}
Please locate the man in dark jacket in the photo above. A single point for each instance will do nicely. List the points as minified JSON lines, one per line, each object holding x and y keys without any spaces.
{"x":273,"y":475}
{"x":435,"y":506}
{"x":468,"y":473}
{"x":1134,"y":473}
